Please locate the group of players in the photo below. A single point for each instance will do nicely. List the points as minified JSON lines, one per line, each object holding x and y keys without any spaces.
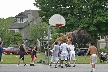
{"x":63,"y":50}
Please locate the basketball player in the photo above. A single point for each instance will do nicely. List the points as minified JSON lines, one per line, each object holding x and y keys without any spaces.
{"x":71,"y":52}
{"x":55,"y":56}
{"x":64,"y":53}
{"x":60,"y":41}
{"x":22,"y":51}
{"x":34,"y":54}
{"x":94,"y":53}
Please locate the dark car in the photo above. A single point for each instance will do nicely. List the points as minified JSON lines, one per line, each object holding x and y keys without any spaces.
{"x":81,"y":51}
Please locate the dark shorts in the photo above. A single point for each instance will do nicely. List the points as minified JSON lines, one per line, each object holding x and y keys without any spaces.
{"x":46,"y":53}
{"x":0,"y":59}
{"x":21,"y":55}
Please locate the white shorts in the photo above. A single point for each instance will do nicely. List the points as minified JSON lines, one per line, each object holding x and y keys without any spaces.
{"x":64,"y":55}
{"x":94,"y":58}
{"x":72,"y":55}
{"x":54,"y":59}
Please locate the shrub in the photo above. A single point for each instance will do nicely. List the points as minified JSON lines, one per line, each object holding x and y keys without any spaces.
{"x":103,"y":49}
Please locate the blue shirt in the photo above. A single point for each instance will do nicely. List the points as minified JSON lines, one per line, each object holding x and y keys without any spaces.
{"x":1,"y":49}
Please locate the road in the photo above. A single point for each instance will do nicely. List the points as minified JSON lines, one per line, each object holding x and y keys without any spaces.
{"x":46,"y":68}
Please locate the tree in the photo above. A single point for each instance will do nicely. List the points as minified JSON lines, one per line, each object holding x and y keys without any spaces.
{"x":54,"y":34}
{"x":12,"y":39}
{"x":7,"y":37}
{"x":4,"y":26}
{"x":80,"y":38}
{"x":89,"y":15}
{"x":38,"y":31}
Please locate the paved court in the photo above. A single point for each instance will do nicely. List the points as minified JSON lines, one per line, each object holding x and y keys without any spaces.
{"x":46,"y":68}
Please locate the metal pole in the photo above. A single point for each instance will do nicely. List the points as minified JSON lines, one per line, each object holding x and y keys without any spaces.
{"x":48,"y":41}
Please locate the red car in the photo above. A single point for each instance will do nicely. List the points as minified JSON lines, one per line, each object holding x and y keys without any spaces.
{"x":11,"y":51}
{"x":29,"y":50}
{"x":16,"y":51}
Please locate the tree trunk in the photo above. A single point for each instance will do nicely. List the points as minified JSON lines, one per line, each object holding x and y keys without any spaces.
{"x":94,"y":39}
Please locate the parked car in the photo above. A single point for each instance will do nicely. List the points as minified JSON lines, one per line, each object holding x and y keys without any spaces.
{"x":81,"y":51}
{"x":11,"y":51}
{"x":16,"y":51}
{"x":29,"y":50}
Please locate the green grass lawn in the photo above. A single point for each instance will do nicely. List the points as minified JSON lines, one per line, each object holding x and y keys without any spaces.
{"x":13,"y":59}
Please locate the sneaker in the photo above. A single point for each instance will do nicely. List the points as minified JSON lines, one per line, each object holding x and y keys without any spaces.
{"x":61,"y":66}
{"x":74,"y":65}
{"x":66,"y":65}
{"x":32,"y":65}
{"x":69,"y":65}
{"x":17,"y":65}
{"x":55,"y":66}
{"x":24,"y":64}
{"x":50,"y":65}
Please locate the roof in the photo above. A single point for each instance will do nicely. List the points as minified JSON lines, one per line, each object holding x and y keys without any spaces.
{"x":19,"y":25}
{"x":21,"y":15}
{"x":25,"y":13}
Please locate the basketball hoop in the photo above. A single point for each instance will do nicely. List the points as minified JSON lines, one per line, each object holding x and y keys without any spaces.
{"x":57,"y":20}
{"x":59,"y":25}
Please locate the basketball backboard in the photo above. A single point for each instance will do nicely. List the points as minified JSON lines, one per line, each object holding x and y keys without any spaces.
{"x":57,"y":19}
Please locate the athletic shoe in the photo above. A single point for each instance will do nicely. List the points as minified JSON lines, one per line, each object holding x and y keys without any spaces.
{"x":24,"y":64}
{"x":55,"y":66}
{"x":74,"y":65}
{"x":32,"y":65}
{"x":50,"y":65}
{"x":66,"y":65}
{"x":17,"y":65}
{"x":61,"y":66}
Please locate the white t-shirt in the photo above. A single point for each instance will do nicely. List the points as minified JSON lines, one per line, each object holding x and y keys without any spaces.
{"x":63,"y":47}
{"x":71,"y":47}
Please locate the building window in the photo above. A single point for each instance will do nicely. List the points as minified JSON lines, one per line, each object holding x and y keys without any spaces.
{"x":21,"y":20}
{"x":102,"y":37}
{"x":12,"y":31}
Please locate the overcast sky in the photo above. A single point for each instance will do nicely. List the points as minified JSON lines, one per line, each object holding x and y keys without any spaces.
{"x":10,"y":8}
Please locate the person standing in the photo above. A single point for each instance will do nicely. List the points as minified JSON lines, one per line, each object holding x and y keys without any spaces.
{"x":46,"y":48}
{"x":94,"y":53}
{"x":1,"y":50}
{"x":55,"y":54}
{"x":22,"y":52}
{"x":34,"y":54}
{"x":64,"y":53}
{"x":71,"y":52}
